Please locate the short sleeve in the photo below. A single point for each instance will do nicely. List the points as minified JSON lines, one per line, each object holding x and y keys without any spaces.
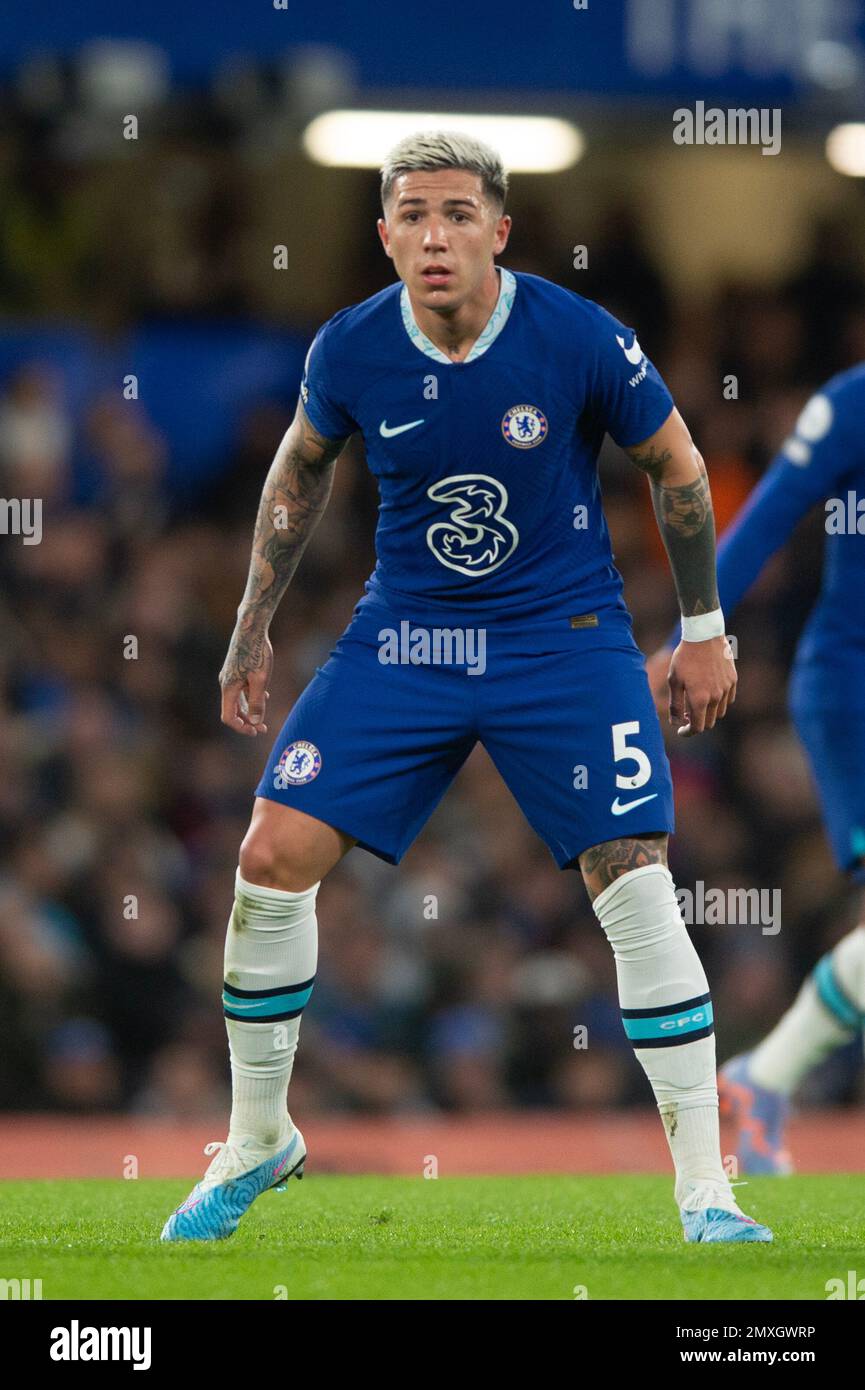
{"x":321,"y":400}
{"x":826,"y":440}
{"x":810,"y":464}
{"x":629,"y":394}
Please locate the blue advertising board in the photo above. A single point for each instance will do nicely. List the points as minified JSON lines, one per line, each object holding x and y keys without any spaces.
{"x":687,"y":48}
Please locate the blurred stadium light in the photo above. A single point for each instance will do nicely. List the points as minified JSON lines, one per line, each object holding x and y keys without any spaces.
{"x":317,"y":76}
{"x":122,"y":76}
{"x":845,"y":149}
{"x":362,"y":139}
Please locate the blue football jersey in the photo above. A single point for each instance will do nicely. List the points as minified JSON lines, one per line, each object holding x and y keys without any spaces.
{"x":487,"y":468}
{"x":823,"y":460}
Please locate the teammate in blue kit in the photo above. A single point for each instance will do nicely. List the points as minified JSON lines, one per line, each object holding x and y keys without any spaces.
{"x":822,"y":461}
{"x":483,"y":398}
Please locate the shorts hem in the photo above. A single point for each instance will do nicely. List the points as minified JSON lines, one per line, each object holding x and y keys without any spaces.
{"x":567,"y":860}
{"x":388,"y":855}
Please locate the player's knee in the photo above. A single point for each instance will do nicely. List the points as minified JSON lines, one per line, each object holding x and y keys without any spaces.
{"x":271,"y":863}
{"x":640,"y":913}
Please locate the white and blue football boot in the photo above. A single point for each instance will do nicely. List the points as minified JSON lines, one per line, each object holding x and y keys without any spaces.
{"x":238,"y":1174}
{"x":710,"y":1216}
{"x":760,"y":1117}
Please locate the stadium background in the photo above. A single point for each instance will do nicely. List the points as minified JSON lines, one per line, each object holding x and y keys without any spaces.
{"x":155,"y":257}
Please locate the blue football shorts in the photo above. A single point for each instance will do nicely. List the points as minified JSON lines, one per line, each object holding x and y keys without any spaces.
{"x":833,"y":737}
{"x":562,"y":705}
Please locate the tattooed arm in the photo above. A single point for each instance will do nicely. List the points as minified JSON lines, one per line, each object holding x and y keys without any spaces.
{"x":683,"y":507}
{"x":296,"y":492}
{"x":702,"y":675}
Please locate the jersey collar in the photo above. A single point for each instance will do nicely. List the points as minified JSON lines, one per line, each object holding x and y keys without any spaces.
{"x":494,"y":325}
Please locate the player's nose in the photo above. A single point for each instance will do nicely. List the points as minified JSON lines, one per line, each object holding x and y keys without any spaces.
{"x":435,"y":236}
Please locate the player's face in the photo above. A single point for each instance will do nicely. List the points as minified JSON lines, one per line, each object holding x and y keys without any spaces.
{"x":442,"y":233}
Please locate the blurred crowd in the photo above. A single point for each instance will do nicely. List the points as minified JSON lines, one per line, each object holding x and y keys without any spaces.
{"x":457,"y":981}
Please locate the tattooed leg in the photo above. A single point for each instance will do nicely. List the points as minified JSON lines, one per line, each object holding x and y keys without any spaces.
{"x":603,"y":864}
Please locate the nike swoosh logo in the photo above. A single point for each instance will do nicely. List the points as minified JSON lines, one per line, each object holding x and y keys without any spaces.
{"x":634,"y":353}
{"x":619,"y":810}
{"x":397,"y":429}
{"x":187,"y":1206}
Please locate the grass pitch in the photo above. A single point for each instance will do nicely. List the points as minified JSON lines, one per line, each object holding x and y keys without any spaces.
{"x":379,"y":1238}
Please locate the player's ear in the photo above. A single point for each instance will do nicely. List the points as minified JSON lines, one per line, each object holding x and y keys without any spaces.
{"x":381,"y":226}
{"x":503,"y":231}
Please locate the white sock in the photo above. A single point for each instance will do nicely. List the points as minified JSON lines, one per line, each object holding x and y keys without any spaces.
{"x":664,"y":997}
{"x":827,"y":1012}
{"x":271,"y":953}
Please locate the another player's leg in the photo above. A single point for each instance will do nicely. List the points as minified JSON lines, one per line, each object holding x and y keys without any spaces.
{"x":755,"y":1088}
{"x":830,"y":1007}
{"x":667,"y":1013}
{"x":271,"y":954}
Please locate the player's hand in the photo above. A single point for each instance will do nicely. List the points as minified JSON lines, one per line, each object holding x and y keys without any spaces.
{"x":702,"y":683}
{"x":244,"y":679}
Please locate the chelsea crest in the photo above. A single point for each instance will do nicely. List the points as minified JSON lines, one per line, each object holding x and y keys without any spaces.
{"x":300,"y":763}
{"x":524,"y":426}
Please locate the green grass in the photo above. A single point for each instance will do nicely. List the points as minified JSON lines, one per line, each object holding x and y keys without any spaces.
{"x":450,"y":1238}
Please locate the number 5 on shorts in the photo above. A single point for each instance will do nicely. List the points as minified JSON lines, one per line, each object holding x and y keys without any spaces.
{"x":623,"y":750}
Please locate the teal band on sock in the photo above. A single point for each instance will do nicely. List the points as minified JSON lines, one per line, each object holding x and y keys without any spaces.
{"x":265,"y":1006}
{"x":832,"y":996}
{"x":667,"y":1028}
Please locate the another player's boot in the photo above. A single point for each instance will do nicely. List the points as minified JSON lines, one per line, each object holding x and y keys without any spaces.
{"x":760,"y":1117}
{"x":710,"y":1215}
{"x":238,"y":1174}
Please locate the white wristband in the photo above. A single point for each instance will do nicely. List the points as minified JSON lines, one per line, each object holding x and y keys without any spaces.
{"x":703,"y":626}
